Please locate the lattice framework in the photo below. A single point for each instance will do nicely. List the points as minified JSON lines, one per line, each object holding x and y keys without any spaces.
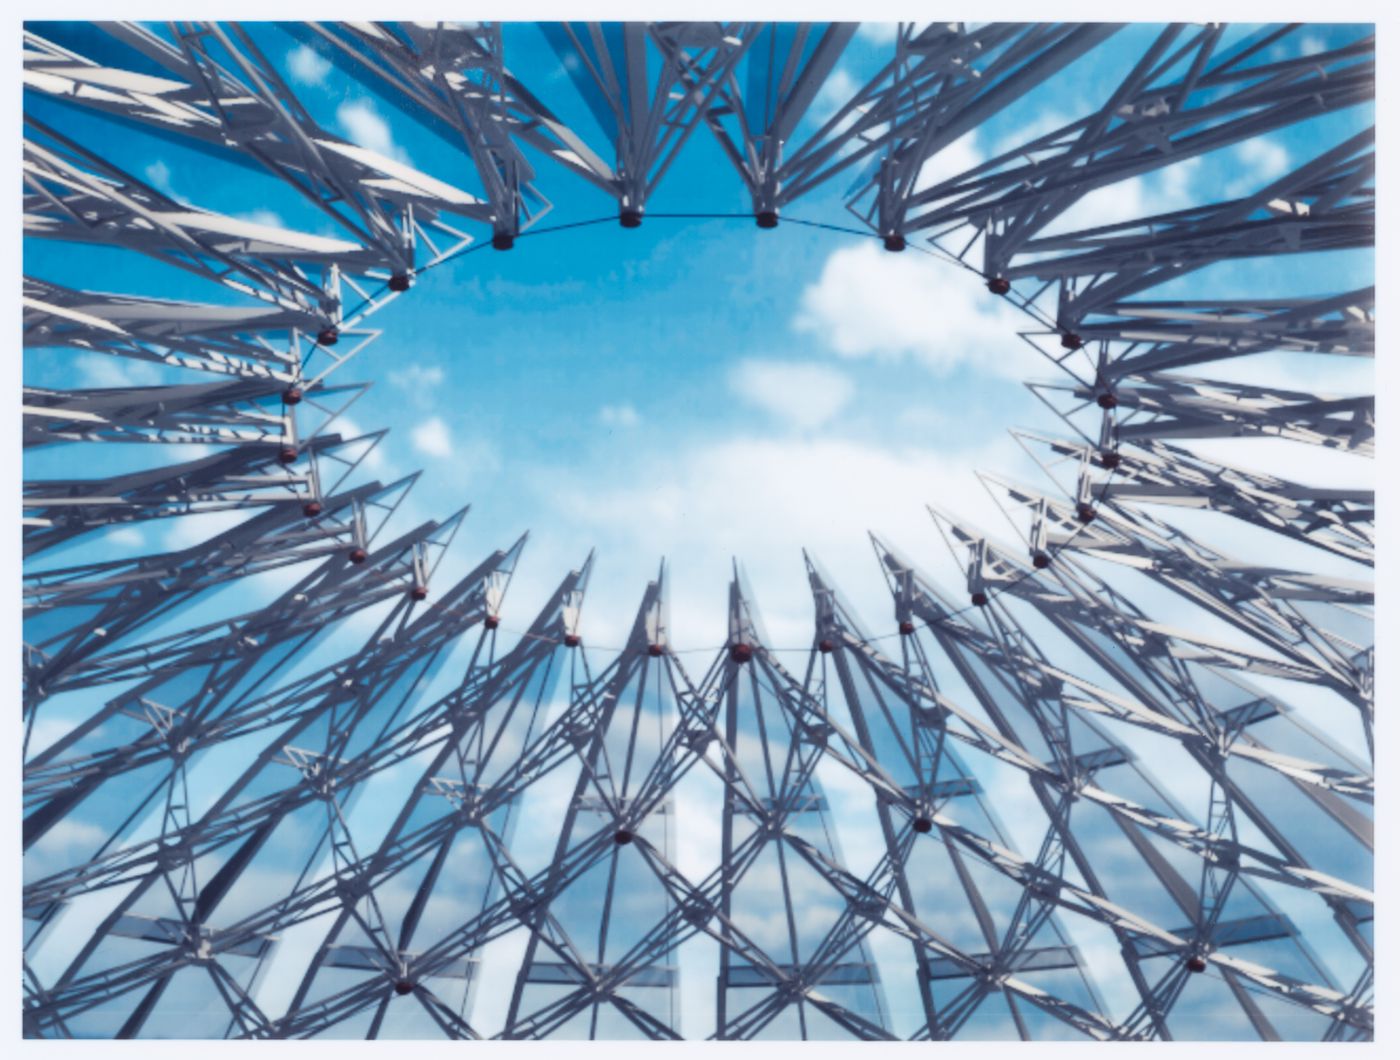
{"x":399,"y":916}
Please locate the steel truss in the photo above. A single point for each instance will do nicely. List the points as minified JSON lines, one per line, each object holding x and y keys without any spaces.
{"x":264,"y":811}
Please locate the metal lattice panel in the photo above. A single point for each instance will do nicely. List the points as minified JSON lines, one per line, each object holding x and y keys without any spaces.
{"x":207,"y":833}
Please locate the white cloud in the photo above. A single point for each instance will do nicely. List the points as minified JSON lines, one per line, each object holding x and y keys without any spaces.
{"x":158,"y":176}
{"x":1176,"y":185}
{"x":420,"y":382}
{"x":1261,"y":161}
{"x":871,"y":303}
{"x":762,"y":500}
{"x":307,"y":67}
{"x":1311,"y":45}
{"x":45,"y":730}
{"x":70,"y":833}
{"x":1108,"y":205}
{"x":263,"y":217}
{"x":1312,"y":465}
{"x":189,"y":530}
{"x":1171,"y":188}
{"x":364,"y":126}
{"x":180,"y":453}
{"x":103,"y":371}
{"x":432,"y":438}
{"x":803,"y":396}
{"x":1045,"y":121}
{"x":1291,"y":370}
{"x":126,"y":537}
{"x":349,"y":428}
{"x":952,"y":161}
{"x":619,"y":416}
{"x":878,"y":32}
{"x":472,"y":458}
{"x":838,"y":87}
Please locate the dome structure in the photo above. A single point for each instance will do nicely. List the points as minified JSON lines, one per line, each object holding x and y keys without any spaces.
{"x":236,"y":827}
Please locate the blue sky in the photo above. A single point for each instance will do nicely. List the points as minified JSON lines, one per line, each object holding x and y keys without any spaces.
{"x":699,"y":389}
